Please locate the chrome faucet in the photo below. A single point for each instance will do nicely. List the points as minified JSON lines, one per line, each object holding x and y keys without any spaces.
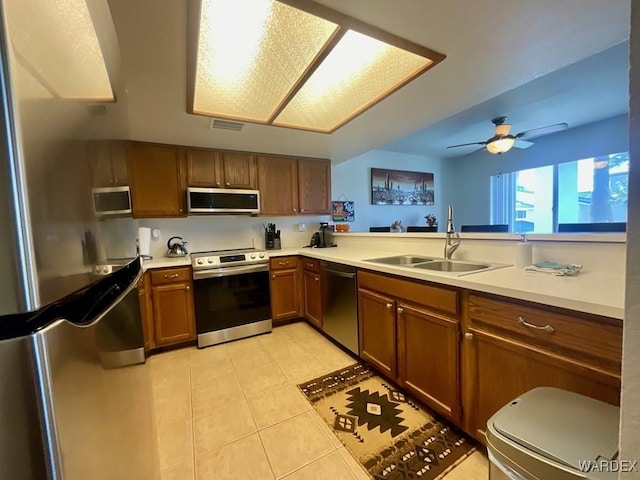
{"x":452,"y":241}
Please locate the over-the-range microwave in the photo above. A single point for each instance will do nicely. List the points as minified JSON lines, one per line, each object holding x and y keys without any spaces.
{"x":223,"y":200}
{"x":111,"y":201}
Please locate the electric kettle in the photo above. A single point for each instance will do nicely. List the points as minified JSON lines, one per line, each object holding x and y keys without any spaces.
{"x":176,"y":249}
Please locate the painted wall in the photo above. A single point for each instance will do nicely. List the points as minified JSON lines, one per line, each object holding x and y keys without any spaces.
{"x":467,"y":179}
{"x":353,"y":180}
{"x":630,"y":413}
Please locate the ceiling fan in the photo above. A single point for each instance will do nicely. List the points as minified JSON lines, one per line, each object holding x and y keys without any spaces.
{"x":502,"y":141}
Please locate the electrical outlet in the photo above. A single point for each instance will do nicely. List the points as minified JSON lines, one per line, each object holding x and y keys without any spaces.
{"x":302,"y":227}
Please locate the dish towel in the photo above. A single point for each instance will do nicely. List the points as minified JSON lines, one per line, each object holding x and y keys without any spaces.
{"x":555,"y":268}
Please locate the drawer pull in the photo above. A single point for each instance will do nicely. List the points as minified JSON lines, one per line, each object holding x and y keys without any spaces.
{"x":546,"y":328}
{"x":400,"y":309}
{"x":468,"y":336}
{"x":187,"y":288}
{"x":317,"y":279}
{"x":283,"y":263}
{"x":175,"y":275}
{"x":309,"y":265}
{"x":389,"y":305}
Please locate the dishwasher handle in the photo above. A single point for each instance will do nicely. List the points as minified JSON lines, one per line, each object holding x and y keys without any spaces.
{"x":340,"y":274}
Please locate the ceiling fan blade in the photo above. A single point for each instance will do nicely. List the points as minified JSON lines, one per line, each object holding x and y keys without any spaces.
{"x":466,"y":144}
{"x":522,"y":144}
{"x":536,"y":132}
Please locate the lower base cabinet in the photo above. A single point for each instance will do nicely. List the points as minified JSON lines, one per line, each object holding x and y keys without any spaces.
{"x":409,"y":340}
{"x":166,"y":307}
{"x":285,"y":280}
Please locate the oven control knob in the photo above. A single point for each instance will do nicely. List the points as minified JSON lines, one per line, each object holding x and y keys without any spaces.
{"x":199,"y":261}
{"x":210,"y":260}
{"x":261,"y":255}
{"x":253,"y":256}
{"x":105,"y":269}
{"x":97,"y":268}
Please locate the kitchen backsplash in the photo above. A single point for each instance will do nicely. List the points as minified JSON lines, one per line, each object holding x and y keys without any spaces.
{"x":207,"y":232}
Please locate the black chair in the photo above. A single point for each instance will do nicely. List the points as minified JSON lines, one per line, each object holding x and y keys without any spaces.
{"x":592,"y":227}
{"x":499,"y":228}
{"x":415,"y":228}
{"x":379,"y":229}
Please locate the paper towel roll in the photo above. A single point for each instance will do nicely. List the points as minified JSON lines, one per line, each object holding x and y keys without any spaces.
{"x":144,"y":241}
{"x":524,"y":254}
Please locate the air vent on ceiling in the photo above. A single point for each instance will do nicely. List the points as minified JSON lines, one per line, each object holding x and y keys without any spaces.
{"x":226,"y":125}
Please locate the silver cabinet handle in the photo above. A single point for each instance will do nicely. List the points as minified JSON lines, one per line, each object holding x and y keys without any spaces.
{"x":546,"y":328}
{"x":175,"y":275}
{"x":227,"y":184}
{"x":400,"y":309}
{"x":468,"y":336}
{"x":187,"y":288}
{"x":283,"y":263}
{"x":389,"y":305}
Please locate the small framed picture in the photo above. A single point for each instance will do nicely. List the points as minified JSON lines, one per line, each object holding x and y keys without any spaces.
{"x":343,"y":211}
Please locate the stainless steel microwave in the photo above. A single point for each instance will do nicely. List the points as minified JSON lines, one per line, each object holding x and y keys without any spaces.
{"x":223,"y":200}
{"x":111,"y":201}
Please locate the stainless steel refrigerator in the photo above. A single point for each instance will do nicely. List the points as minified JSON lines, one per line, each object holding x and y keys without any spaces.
{"x":75,"y":394}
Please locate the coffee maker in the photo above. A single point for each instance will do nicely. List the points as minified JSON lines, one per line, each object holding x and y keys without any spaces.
{"x":324,"y":237}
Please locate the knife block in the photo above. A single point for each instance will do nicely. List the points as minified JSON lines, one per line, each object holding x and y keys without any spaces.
{"x":271,"y":242}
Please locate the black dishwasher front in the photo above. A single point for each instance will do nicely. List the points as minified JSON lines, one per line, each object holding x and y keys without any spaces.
{"x":340,"y":312}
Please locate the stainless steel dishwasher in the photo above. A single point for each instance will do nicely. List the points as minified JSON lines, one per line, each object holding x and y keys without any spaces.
{"x":340,"y":312}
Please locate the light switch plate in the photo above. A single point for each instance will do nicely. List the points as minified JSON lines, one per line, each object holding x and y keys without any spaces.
{"x":302,"y":227}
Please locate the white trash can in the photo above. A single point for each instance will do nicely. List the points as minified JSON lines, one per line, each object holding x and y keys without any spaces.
{"x":553,"y":434}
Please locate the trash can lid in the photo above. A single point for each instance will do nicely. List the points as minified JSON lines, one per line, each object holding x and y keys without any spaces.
{"x":562,"y":426}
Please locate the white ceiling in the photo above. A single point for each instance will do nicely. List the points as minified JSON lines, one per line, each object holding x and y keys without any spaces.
{"x":492,"y":47}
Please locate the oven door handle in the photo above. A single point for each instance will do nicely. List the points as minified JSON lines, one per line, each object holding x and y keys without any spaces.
{"x":228,"y":271}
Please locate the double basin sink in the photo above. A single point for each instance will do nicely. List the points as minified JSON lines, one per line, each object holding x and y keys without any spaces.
{"x":433,"y":264}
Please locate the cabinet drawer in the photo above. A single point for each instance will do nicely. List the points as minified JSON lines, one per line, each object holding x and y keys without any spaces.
{"x":433,"y":297}
{"x":311,"y":264}
{"x":280,"y":263}
{"x":170,"y":275}
{"x":582,"y":335}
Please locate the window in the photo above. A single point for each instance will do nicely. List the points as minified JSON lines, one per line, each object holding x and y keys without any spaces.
{"x":536,"y":200}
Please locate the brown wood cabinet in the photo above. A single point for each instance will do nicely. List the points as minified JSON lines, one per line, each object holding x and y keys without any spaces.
{"x":212,"y":168}
{"x":290,"y":186}
{"x":108,"y":164}
{"x":166,"y":307}
{"x":156,"y":180}
{"x":504,"y":357}
{"x":312,"y":291}
{"x":173,"y":310}
{"x":409,"y":330}
{"x":285,"y":281}
{"x":314,"y":186}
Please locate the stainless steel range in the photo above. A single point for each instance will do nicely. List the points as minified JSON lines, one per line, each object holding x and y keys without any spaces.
{"x":231,"y":290}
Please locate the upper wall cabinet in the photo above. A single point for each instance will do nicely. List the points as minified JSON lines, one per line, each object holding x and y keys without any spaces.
{"x":291,"y":186}
{"x":211,"y":168}
{"x":156,"y":180}
{"x":108,"y":164}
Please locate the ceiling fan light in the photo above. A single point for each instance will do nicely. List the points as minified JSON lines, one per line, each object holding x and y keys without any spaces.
{"x":501,"y":145}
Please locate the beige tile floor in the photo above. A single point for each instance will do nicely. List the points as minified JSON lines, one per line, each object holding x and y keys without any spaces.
{"x":233,"y":411}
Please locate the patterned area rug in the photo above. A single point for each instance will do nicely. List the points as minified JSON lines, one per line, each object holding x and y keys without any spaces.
{"x":389,"y":434}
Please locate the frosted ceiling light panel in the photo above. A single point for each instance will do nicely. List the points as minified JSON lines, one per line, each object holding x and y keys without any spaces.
{"x":250,"y":54}
{"x":57,"y":43}
{"x":358,"y":72}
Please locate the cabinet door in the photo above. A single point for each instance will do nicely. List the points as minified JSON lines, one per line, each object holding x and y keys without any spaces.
{"x":118,"y":156}
{"x":313,"y":298}
{"x":498,"y":370}
{"x":173,"y":313}
{"x":204,"y":168}
{"x":314,"y":186}
{"x":377,"y":323}
{"x":146,"y":312}
{"x":157,"y":186}
{"x":278,"y":184}
{"x":240,"y":170}
{"x":100,"y":164}
{"x":428,"y":358}
{"x":285,"y":294}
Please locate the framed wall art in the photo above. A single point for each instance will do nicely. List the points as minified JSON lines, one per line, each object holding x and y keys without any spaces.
{"x":398,"y":187}
{"x":343,"y":211}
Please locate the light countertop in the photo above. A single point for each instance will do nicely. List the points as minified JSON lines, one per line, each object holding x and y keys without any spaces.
{"x":166,"y":262}
{"x":591,"y":292}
